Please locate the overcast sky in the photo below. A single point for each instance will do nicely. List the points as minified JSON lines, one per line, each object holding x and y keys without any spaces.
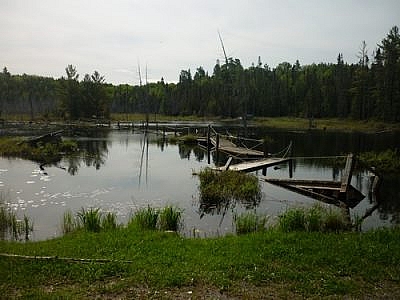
{"x":113,"y":37}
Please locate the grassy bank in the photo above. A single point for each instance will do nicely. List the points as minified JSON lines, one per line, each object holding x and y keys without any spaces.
{"x":326,"y":124}
{"x":289,"y":123}
{"x":154,"y":264}
{"x":14,"y":147}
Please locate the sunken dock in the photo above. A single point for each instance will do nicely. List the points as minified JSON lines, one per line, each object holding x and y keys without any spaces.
{"x":254,"y":165}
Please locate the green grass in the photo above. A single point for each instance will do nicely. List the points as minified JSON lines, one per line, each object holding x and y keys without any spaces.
{"x":43,"y":153}
{"x":92,"y":220}
{"x":315,"y":218}
{"x":170,"y":219}
{"x":249,"y":222}
{"x":145,"y":218}
{"x":384,"y":162}
{"x":218,"y":188}
{"x":326,"y":124}
{"x":282,"y":265}
{"x":10,"y":226}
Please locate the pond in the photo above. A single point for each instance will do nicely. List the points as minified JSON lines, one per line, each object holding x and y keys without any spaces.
{"x":123,"y":170}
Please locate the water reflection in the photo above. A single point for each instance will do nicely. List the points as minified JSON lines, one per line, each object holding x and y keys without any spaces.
{"x":111,"y":167}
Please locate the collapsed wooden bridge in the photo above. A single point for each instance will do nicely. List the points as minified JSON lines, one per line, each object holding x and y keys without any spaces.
{"x":339,"y":193}
{"x":251,"y":159}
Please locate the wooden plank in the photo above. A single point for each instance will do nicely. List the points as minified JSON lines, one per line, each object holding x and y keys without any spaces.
{"x":229,"y":147}
{"x":256,"y":165}
{"x":348,"y":171}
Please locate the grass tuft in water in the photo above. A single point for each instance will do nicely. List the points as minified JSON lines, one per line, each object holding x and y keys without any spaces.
{"x":69,"y":223}
{"x":222,"y":187}
{"x":170,"y":219}
{"x":10,"y":226}
{"x":109,"y":221}
{"x":315,"y":218}
{"x":249,"y":222}
{"x":145,"y":218}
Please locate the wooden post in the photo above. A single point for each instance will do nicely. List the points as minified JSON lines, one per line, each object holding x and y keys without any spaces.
{"x":346,"y":179}
{"x":264,"y":171}
{"x":208,"y":143}
{"x":265,"y":148}
{"x":291,"y":168}
{"x":217,"y":147}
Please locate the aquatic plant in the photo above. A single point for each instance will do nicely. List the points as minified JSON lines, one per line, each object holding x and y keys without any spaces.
{"x":69,"y":223}
{"x":109,"y":221}
{"x":249,"y":222}
{"x":218,"y":188}
{"x":10,"y":226}
{"x":315,"y":218}
{"x":90,"y":219}
{"x":170,"y":219}
{"x":292,"y":220}
{"x":387,"y":161}
{"x":145,"y":218}
{"x":42,"y":152}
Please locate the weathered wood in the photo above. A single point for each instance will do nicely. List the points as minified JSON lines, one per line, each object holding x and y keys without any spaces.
{"x":256,"y":164}
{"x":46,"y":138}
{"x":348,"y":171}
{"x":325,"y":191}
{"x":228,"y":163}
{"x":66,"y":259}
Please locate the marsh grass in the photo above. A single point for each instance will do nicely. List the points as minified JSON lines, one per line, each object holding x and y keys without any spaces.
{"x":10,"y":226}
{"x":315,"y":218}
{"x":145,"y":218}
{"x":249,"y":222}
{"x":221,"y":187}
{"x":43,"y":152}
{"x":109,"y":221}
{"x":384,"y":162}
{"x":170,"y":219}
{"x":69,"y":223}
{"x":91,"y":219}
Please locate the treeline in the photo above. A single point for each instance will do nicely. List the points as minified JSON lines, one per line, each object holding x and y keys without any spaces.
{"x":368,"y":89}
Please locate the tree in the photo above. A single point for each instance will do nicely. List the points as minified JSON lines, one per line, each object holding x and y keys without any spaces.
{"x":391,"y":75}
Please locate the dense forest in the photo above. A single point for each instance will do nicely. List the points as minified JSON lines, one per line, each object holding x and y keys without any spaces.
{"x":369,"y":89}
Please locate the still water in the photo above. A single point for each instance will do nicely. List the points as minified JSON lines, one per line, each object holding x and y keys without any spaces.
{"x":121,"y":171}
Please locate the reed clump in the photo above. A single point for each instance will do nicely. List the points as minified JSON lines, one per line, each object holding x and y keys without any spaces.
{"x":249,"y":222}
{"x":168,"y":218}
{"x":10,"y":226}
{"x":220,"y":187}
{"x":314,"y":219}
{"x":145,"y":218}
{"x":91,"y":219}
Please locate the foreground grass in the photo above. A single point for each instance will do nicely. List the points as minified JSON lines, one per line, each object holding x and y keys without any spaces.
{"x":268,"y":264}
